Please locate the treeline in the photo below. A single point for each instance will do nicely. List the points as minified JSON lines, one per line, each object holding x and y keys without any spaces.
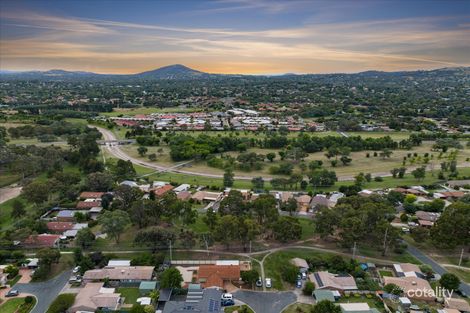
{"x":185,"y":146}
{"x":46,"y":128}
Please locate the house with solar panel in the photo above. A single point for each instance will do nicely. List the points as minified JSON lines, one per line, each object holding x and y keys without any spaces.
{"x":197,"y":300}
{"x":329,"y":281}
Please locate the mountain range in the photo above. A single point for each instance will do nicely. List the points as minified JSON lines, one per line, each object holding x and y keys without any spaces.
{"x":175,"y":72}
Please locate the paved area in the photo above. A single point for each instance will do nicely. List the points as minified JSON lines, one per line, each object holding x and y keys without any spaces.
{"x":266,"y":302}
{"x":45,"y":292}
{"x":435,"y":266}
{"x":7,"y":193}
{"x":301,"y":298}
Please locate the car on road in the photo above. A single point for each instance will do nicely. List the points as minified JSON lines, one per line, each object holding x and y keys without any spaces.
{"x":227,"y":302}
{"x":227,"y":296}
{"x":268,"y":283}
{"x":259,"y":282}
{"x":12,"y":293}
{"x":298,"y":284}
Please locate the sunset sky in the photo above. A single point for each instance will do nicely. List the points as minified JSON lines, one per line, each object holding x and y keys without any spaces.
{"x":234,"y":36}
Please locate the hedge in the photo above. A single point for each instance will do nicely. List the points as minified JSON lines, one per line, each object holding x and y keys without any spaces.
{"x":62,"y":303}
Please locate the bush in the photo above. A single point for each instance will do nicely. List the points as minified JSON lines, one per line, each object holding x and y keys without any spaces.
{"x":28,"y":299}
{"x":62,"y":303}
{"x":309,"y":288}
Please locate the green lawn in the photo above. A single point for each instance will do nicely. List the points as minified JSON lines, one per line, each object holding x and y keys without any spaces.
{"x":298,"y":308}
{"x":8,"y":178}
{"x":461,"y":273}
{"x":17,"y":305}
{"x":308,"y":229}
{"x":373,"y":301}
{"x":13,"y":281}
{"x":385,"y":273}
{"x":6,"y":208}
{"x":130,"y":294}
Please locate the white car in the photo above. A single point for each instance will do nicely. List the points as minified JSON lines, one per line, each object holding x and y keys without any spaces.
{"x":268,"y":282}
{"x":227,"y":296}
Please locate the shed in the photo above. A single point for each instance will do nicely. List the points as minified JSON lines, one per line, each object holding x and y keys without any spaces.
{"x":322,"y":294}
{"x":147,"y":286}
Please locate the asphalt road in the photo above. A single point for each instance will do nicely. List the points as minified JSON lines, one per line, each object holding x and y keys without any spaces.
{"x":266,"y":302}
{"x":435,"y":266}
{"x":45,"y":292}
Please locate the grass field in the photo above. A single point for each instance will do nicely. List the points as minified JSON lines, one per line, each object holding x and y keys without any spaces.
{"x":461,"y":273}
{"x":231,"y":309}
{"x":145,"y":110}
{"x":5,"y":211}
{"x":130,"y":294}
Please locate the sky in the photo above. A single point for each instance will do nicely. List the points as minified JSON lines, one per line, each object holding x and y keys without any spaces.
{"x":234,"y":36}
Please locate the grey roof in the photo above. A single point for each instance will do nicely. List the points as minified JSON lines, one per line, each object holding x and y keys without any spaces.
{"x":200,"y":301}
{"x":66,"y":213}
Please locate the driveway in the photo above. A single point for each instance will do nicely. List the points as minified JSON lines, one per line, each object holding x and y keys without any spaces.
{"x":266,"y":302}
{"x":435,"y":266}
{"x":45,"y":292}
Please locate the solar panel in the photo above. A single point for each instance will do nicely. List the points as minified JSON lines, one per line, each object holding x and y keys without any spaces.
{"x":318,"y":279}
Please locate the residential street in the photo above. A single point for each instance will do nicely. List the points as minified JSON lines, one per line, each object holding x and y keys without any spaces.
{"x":266,"y":302}
{"x":45,"y":292}
{"x":435,"y":266}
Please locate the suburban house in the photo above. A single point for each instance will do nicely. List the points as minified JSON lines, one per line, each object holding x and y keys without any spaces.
{"x":218,"y":275}
{"x":42,"y":241}
{"x":449,"y":194}
{"x":301,"y":264}
{"x":59,"y":227}
{"x":208,"y":196}
{"x":88,"y":204}
{"x":407,"y":270}
{"x":66,"y":216}
{"x":427,"y":219}
{"x":357,"y":308}
{"x":91,"y":195}
{"x":182,"y":187}
{"x":339,"y":282}
{"x":72,"y":233}
{"x":323,"y":294}
{"x":184,"y":195}
{"x":320,"y":201}
{"x":197,"y":300}
{"x":94,"y":296}
{"x":120,"y":273}
{"x":161,"y":191}
{"x":303,"y":203}
{"x":412,"y":284}
{"x":458,"y":304}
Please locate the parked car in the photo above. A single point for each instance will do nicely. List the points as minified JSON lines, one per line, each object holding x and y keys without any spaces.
{"x":12,"y":293}
{"x":76,"y":269}
{"x":298,"y":284}
{"x":304,"y":276}
{"x":299,"y":277}
{"x":75,"y":280}
{"x":259,"y":282}
{"x":227,"y":296}
{"x":268,"y":283}
{"x":227,"y":302}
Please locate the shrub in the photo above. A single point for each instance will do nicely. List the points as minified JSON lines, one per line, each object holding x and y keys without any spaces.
{"x":62,"y":303}
{"x":28,"y":299}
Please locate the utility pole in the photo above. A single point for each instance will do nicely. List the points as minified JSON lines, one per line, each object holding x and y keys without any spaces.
{"x":461,"y":257}
{"x":385,"y":241}
{"x":171,"y":254}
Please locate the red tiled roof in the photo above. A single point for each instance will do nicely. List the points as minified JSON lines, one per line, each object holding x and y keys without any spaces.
{"x":43,"y":240}
{"x":215,"y":275}
{"x":91,"y":194}
{"x":59,"y":226}
{"x":88,"y":204}
{"x":162,"y":190}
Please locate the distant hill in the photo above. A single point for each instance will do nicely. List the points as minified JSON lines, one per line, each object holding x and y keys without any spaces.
{"x":176,"y":71}
{"x":181,"y":72}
